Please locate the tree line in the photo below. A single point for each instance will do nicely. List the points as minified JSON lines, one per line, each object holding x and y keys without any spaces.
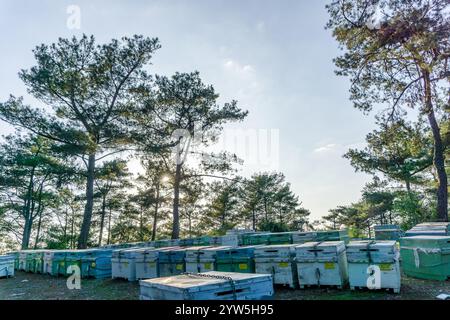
{"x":64,"y":173}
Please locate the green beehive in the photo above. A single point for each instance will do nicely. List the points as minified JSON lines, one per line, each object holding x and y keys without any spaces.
{"x":38,"y":261}
{"x":240,"y":259}
{"x":333,"y":235}
{"x":268,"y":238}
{"x":426,"y":257}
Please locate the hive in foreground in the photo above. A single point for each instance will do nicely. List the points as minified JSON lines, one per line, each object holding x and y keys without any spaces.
{"x":426,"y":257}
{"x":374,"y":265}
{"x":322,"y":263}
{"x":211,"y":285}
{"x":7,"y":266}
{"x":277,"y":260}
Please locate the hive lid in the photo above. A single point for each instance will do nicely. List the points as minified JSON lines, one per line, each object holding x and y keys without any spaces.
{"x":206,"y":280}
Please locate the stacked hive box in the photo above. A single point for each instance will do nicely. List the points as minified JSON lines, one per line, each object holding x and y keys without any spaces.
{"x":268,"y":238}
{"x":15,"y":254}
{"x":92,"y":262}
{"x":208,"y":286}
{"x":277,"y":260}
{"x":34,"y":261}
{"x":201,"y":241}
{"x":146,"y":261}
{"x":123,"y":264}
{"x":55,"y":262}
{"x":231,"y":240}
{"x":240,"y":259}
{"x":204,"y":259}
{"x":166,"y":243}
{"x":370,"y":261}
{"x":426,"y":257}
{"x":23,"y":259}
{"x":430,"y":229}
{"x":7,"y":266}
{"x":96,"y":263}
{"x":332,"y":235}
{"x":322,"y":263}
{"x":171,"y":261}
{"x":193,"y":259}
{"x":388,"y":232}
{"x":241,"y":234}
{"x":186,"y":242}
{"x":303,"y":237}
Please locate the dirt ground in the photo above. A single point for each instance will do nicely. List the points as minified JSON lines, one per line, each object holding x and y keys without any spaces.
{"x":28,"y":286}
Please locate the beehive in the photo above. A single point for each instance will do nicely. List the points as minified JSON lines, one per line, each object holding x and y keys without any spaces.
{"x":96,"y":263}
{"x":123,"y":264}
{"x":241,"y":234}
{"x":268,"y":238}
{"x":430,"y":229}
{"x":332,"y":235}
{"x":193,"y":259}
{"x":426,"y":257}
{"x":322,"y":263}
{"x":208,"y":286}
{"x":146,"y":262}
{"x":231,"y":240}
{"x":240,"y":259}
{"x":23,"y":259}
{"x":34,"y":261}
{"x":7,"y":266}
{"x":277,"y":260}
{"x":303,"y":237}
{"x":387,"y":232}
{"x":171,"y":261}
{"x":55,"y":262}
{"x":166,"y":243}
{"x":368,"y":258}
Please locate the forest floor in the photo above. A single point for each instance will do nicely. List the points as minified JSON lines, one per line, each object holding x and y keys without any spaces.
{"x":28,"y":286}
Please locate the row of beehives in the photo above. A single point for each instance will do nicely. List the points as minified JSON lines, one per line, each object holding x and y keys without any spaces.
{"x":91,"y":262}
{"x":329,"y":263}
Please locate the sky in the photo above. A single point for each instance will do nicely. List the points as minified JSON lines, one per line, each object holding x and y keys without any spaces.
{"x":274,"y":57}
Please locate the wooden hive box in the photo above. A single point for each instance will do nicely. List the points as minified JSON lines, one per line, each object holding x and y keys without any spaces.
{"x":277,"y":260}
{"x":146,"y":262}
{"x":240,"y":259}
{"x":208,"y":286}
{"x":123,"y":264}
{"x":364,"y":256}
{"x":430,"y":229}
{"x":171,"y":261}
{"x":426,"y":257}
{"x":7,"y":266}
{"x":322,"y":263}
{"x":55,"y":262}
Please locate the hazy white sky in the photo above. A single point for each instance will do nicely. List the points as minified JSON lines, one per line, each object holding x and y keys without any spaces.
{"x":274,"y":57}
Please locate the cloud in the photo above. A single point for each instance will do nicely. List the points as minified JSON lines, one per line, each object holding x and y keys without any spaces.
{"x":326,"y":148}
{"x":336,"y":147}
{"x":235,"y":66}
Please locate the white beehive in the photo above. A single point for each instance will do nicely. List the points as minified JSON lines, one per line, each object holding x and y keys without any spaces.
{"x":322,"y":263}
{"x":208,"y":286}
{"x":231,"y":240}
{"x":277,"y":260}
{"x":202,"y":260}
{"x":7,"y":266}
{"x":123,"y":263}
{"x":374,"y":265}
{"x":146,"y":263}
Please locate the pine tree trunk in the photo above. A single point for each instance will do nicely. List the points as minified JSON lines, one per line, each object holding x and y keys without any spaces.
{"x":36,"y":241}
{"x":155,"y":215}
{"x":87,"y":218}
{"x":109,"y":226}
{"x":438,"y":157}
{"x":102,"y":220}
{"x":176,"y":204}
{"x":26,"y":233}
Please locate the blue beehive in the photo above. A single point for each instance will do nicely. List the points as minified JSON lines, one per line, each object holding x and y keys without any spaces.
{"x":96,"y":263}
